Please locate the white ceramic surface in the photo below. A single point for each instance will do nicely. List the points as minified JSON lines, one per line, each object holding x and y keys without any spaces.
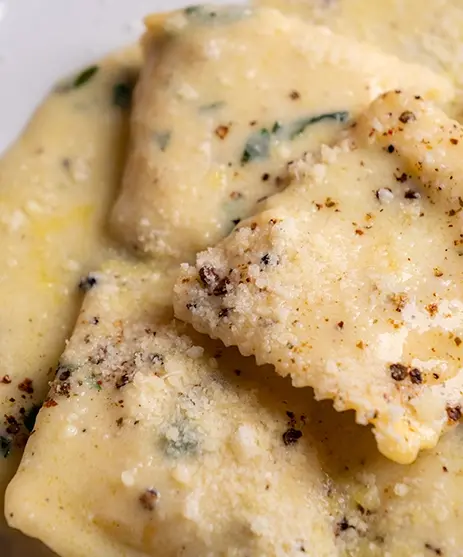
{"x":41,"y":40}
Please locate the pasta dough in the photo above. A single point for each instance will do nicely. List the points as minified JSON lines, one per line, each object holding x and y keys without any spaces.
{"x":185,"y":450}
{"x":169,"y":444}
{"x":426,"y":32}
{"x":224,"y":101}
{"x":349,"y":281}
{"x":56,"y":186}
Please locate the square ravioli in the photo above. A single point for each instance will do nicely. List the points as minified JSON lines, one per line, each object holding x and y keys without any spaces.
{"x":350,"y":280}
{"x":155,"y":441}
{"x":418,"y":31}
{"x":167,"y":444}
{"x":56,"y":188}
{"x":227,"y":96}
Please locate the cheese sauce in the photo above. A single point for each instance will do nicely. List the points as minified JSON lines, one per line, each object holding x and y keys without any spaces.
{"x":157,"y":441}
{"x":215,"y":123}
{"x":57,"y":184}
{"x":167,"y":443}
{"x":349,"y":281}
{"x":427,"y":32}
{"x":204,"y":459}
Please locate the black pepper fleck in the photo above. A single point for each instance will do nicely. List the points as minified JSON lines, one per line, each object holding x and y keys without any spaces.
{"x":343,"y":525}
{"x":436,"y":550}
{"x":398,"y":372}
{"x":416,"y":376}
{"x":87,"y":283}
{"x":149,"y":499}
{"x":265,"y":259}
{"x":211,"y":280}
{"x":156,"y":358}
{"x":26,"y":386}
{"x":291,"y":436}
{"x":454,"y":413}
{"x":407,"y":116}
{"x":12,"y":425}
{"x":221,"y":288}
{"x":123,"y":380}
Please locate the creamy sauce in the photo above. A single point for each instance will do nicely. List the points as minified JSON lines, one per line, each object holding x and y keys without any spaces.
{"x":122,"y":475}
{"x":196,"y":442}
{"x":427,"y":32}
{"x":163,"y":470}
{"x":56,"y":186}
{"x":349,"y":281}
{"x":214,"y":123}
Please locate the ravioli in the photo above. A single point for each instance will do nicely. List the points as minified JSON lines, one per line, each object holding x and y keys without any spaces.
{"x":420,"y":31}
{"x":388,"y":508}
{"x":227,"y":96}
{"x":57,"y":183}
{"x":156,"y":441}
{"x":169,"y":444}
{"x":350,"y":280}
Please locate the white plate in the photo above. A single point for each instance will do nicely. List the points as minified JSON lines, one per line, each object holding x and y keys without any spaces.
{"x":41,"y":40}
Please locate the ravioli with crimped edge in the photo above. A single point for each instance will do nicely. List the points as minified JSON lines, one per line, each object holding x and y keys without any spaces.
{"x":157,"y":441}
{"x":350,"y":280}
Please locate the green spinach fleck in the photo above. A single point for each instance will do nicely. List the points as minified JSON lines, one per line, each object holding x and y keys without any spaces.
{"x":257,"y":146}
{"x":211,"y":106}
{"x":122,"y":95}
{"x":298,"y":127}
{"x":30,"y":417}
{"x":221,"y":15}
{"x":85,"y":76}
{"x":258,"y":143}
{"x":5,"y":446}
{"x":162,"y":139}
{"x":193,"y":10}
{"x":277,"y":126}
{"x":184,"y":442}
